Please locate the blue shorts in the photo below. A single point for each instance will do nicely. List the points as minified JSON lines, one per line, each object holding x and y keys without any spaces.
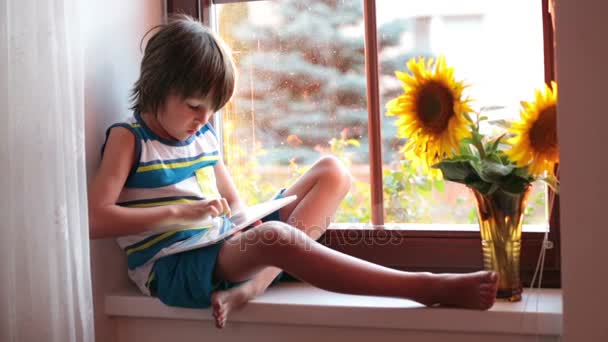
{"x":186,"y":279}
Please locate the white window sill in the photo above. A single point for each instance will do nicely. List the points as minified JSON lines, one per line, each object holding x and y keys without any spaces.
{"x":539,"y":313}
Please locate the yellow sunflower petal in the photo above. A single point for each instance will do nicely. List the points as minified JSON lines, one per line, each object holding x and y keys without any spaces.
{"x":535,"y":141}
{"x":431,"y":112}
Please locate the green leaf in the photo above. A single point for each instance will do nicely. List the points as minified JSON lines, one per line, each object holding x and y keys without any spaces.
{"x":459,"y":171}
{"x":476,"y":137}
{"x":523,"y":173}
{"x":477,"y":142}
{"x":481,"y":186}
{"x":463,"y":158}
{"x":505,"y":159}
{"x":467,"y":141}
{"x":465,"y":149}
{"x":493,"y":146}
{"x":492,"y":172}
{"x":514,"y":184}
{"x":495,"y":158}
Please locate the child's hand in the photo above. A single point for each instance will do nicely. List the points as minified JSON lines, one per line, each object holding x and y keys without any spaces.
{"x":199,"y":210}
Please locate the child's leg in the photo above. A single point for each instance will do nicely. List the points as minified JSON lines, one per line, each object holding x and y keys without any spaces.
{"x":282,"y":246}
{"x":320,"y":191}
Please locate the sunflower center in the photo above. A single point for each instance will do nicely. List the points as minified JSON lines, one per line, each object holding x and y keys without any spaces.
{"x":435,"y":106}
{"x":543,"y":133}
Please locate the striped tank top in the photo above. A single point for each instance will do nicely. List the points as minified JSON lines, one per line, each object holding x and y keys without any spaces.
{"x":164,"y":172}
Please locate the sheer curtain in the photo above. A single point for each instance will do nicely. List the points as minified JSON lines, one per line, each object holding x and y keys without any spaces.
{"x":45,"y":281}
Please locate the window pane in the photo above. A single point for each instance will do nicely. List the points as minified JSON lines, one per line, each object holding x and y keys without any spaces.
{"x":497,"y":48}
{"x":301,"y":95}
{"x":301,"y":92}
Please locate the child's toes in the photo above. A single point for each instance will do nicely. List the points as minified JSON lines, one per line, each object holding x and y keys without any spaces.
{"x":493,"y":277}
{"x":219,"y":322}
{"x":222,"y":322}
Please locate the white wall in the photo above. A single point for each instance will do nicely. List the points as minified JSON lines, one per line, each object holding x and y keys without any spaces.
{"x":113,"y":30}
{"x":582,"y":54}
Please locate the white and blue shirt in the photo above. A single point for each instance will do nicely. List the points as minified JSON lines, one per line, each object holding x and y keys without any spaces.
{"x":164,"y":172}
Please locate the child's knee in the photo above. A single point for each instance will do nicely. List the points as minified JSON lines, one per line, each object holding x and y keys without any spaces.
{"x":334,"y":171}
{"x":276,"y":234}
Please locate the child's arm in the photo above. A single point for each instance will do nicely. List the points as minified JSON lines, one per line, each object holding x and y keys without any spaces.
{"x":226,"y":187}
{"x":106,"y":219}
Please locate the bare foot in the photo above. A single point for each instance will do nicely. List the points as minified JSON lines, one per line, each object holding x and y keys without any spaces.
{"x":471,"y":290}
{"x":224,"y":302}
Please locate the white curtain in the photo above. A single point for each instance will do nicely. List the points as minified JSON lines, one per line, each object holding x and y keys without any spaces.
{"x":45,"y":280}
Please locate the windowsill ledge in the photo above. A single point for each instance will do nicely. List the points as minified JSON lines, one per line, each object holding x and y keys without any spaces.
{"x":539,"y":313}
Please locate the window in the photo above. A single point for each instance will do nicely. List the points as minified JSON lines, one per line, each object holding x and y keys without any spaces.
{"x":303,"y":93}
{"x":502,"y":63}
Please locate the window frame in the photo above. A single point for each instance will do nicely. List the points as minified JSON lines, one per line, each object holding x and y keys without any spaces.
{"x":413,"y":249}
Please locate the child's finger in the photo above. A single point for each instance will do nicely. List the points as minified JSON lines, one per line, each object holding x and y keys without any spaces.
{"x":225,"y":207}
{"x":213,"y":211}
{"x":212,"y":208}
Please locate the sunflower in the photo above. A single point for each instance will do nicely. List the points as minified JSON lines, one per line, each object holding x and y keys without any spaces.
{"x":431,"y":113}
{"x":535,"y":136}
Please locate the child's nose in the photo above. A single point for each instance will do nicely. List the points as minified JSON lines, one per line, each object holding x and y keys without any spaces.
{"x":203,"y":117}
{"x":206,"y":116}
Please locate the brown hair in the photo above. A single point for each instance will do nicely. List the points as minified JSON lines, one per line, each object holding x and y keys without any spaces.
{"x":184,"y":58}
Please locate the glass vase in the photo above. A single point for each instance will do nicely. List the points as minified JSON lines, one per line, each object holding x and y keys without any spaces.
{"x":500,"y":216}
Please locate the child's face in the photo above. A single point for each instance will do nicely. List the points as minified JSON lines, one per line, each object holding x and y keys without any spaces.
{"x":181,"y":117}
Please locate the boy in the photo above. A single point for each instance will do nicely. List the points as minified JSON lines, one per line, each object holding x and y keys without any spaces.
{"x":163,"y":167}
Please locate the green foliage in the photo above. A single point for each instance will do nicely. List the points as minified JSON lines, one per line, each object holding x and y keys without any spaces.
{"x":350,"y":209}
{"x":407,"y":196}
{"x":484,"y":166}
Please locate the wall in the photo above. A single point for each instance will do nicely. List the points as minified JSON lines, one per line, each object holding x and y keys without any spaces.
{"x":113,"y":30}
{"x":582,"y":72}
